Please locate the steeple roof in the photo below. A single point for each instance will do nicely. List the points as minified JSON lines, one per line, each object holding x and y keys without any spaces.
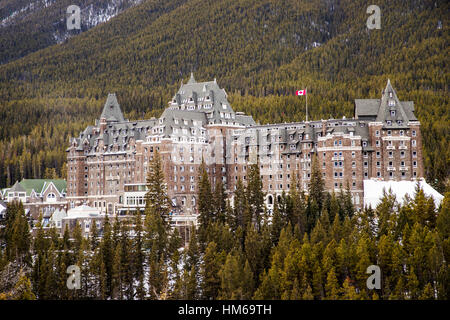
{"x":192,"y":79}
{"x":111,"y":110}
{"x":391,"y":108}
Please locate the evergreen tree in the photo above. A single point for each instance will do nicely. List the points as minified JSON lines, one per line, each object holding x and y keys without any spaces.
{"x":332,"y":286}
{"x":156,"y":199}
{"x":255,"y":196}
{"x":210,"y":272}
{"x":205,"y":205}
{"x":219,"y":204}
{"x":138,"y":257}
{"x":316,"y":192}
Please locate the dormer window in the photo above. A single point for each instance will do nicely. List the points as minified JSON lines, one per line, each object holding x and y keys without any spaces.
{"x":390,"y":94}
{"x":389,"y":122}
{"x":392,"y":113}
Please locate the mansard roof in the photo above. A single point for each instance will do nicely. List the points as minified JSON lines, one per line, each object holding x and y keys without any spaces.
{"x":380,"y":110}
{"x":111,"y":109}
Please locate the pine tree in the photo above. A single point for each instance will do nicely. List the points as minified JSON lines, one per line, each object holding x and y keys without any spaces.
{"x":428,"y":293}
{"x":240,"y":206}
{"x":298,"y":216}
{"x":210,"y":272}
{"x":156,"y":199}
{"x":348,"y":290}
{"x":316,"y":186}
{"x":22,"y":289}
{"x":332,"y":286}
{"x":107,"y":253}
{"x":247,"y":282}
{"x":255,"y":195}
{"x":205,"y":207}
{"x":94,"y":236}
{"x":138,"y":256}
{"x":219,"y":204}
{"x":175,"y":258}
{"x":117,"y":288}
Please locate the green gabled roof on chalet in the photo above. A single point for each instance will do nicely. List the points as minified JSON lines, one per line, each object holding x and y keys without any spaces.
{"x":39,"y":185}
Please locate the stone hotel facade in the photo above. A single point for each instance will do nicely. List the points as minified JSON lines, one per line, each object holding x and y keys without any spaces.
{"x":107,"y":163}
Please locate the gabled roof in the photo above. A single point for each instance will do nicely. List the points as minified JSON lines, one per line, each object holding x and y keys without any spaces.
{"x":39,"y":185}
{"x":111,"y":110}
{"x":17,"y":187}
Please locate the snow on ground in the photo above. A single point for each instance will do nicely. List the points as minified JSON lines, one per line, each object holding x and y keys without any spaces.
{"x":373,"y":191}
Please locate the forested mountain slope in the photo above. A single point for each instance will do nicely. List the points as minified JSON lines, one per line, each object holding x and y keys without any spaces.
{"x":30,"y":25}
{"x":260,"y":51}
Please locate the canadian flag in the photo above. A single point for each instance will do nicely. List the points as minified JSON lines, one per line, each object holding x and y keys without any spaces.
{"x":300,"y":92}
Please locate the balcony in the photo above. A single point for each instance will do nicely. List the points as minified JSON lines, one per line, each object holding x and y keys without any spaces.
{"x":390,"y":147}
{"x":390,"y":169}
{"x":337,"y":158}
{"x":403,"y":147}
{"x":403,"y":168}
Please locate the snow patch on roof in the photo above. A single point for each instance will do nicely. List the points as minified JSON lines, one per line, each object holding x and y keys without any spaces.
{"x":373,"y":191}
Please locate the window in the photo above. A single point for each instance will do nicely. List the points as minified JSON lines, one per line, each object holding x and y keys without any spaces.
{"x":389,"y":132}
{"x":377,"y":133}
{"x":414,"y":133}
{"x":413,"y":142}
{"x":392,"y":113}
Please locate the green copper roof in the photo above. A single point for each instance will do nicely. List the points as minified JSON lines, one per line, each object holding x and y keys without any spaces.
{"x":39,"y":185}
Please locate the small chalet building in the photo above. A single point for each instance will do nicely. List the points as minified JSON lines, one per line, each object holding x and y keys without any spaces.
{"x":39,"y":196}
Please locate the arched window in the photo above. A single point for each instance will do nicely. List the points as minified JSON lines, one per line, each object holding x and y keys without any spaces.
{"x":51,"y":197}
{"x":269,"y":200}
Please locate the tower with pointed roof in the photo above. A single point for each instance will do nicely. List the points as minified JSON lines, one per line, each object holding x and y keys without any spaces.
{"x":394,"y":136}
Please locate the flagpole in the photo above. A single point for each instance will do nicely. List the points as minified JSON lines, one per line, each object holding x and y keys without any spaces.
{"x":306,"y":93}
